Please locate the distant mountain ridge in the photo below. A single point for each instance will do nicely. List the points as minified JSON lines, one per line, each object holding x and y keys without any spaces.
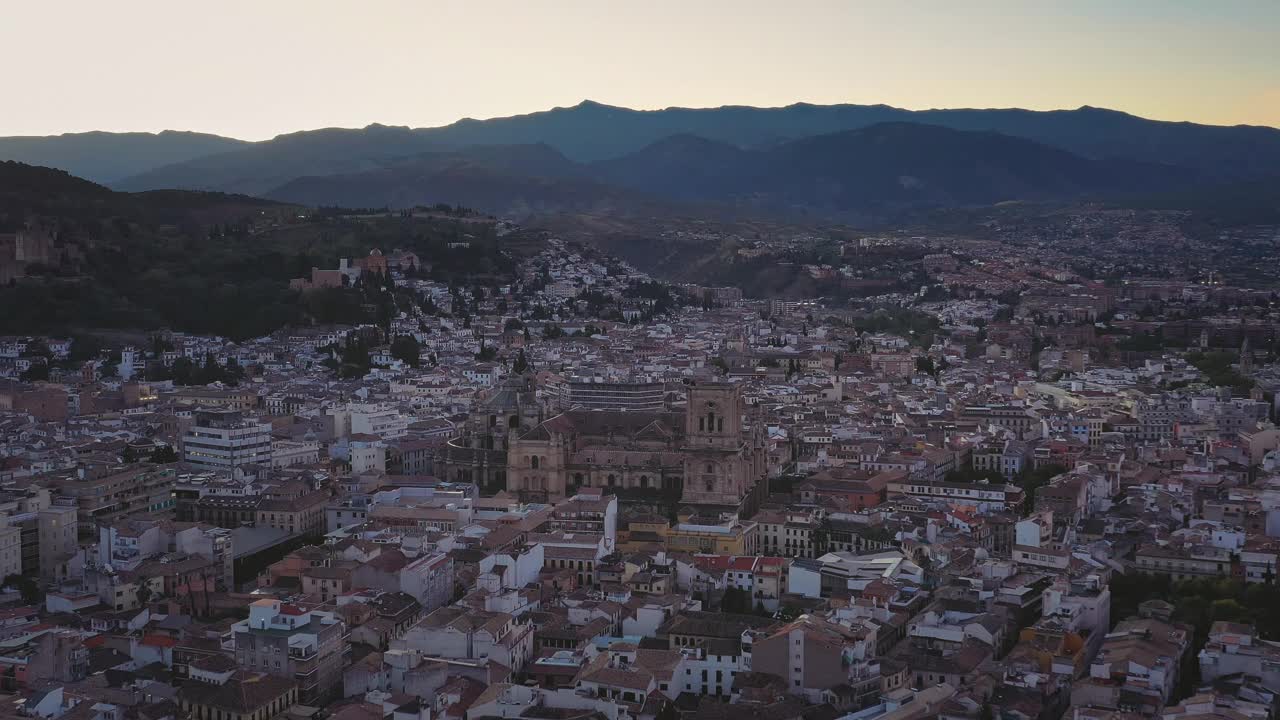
{"x":105,"y":157}
{"x":591,"y":132}
{"x":852,"y":173}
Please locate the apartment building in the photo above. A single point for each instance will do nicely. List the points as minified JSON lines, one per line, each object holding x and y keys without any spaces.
{"x":294,"y":643}
{"x":460,"y":633}
{"x":225,"y":440}
{"x":104,"y":494}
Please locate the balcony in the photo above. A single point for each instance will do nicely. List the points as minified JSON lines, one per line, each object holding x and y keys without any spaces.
{"x":305,"y":653}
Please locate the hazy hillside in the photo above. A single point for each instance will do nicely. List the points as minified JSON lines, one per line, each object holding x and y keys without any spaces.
{"x":481,"y":178}
{"x":256,"y":168}
{"x":107,"y":157}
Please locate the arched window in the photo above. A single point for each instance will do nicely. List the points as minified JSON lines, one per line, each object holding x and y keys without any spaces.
{"x":711,"y":421}
{"x":612,"y":480}
{"x":577,"y":479}
{"x":644,"y":481}
{"x":711,"y":468}
{"x":719,"y":424}
{"x":533,"y":461}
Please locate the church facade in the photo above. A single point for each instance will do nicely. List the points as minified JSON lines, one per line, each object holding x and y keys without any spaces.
{"x":706,"y":456}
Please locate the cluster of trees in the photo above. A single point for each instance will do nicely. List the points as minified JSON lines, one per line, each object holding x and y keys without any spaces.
{"x":739,"y":602}
{"x":36,"y":372}
{"x":521,"y":363}
{"x":352,"y":358}
{"x":185,"y":371}
{"x":26,"y":586}
{"x":406,"y":349}
{"x":918,"y":326}
{"x":1030,"y":480}
{"x":1217,"y":367}
{"x":161,"y":455}
{"x":1200,"y":603}
{"x":487,"y":353}
{"x":926,"y":365}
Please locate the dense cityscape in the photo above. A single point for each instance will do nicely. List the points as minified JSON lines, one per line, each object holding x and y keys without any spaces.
{"x":672,"y":360}
{"x":998,"y":482}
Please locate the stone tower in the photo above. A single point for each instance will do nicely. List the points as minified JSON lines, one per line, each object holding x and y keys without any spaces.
{"x":714,"y":416}
{"x":717,"y":461}
{"x":1246,"y":358}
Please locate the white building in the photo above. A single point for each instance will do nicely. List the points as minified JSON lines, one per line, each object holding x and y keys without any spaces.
{"x":224,"y":440}
{"x":379,"y":420}
{"x":289,"y":452}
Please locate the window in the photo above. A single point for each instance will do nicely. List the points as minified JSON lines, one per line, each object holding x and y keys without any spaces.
{"x":533,"y":461}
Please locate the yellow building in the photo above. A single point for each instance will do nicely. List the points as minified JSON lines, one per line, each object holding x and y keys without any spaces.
{"x":644,"y":535}
{"x":735,"y":538}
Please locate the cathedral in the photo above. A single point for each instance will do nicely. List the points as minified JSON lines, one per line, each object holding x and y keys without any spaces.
{"x":707,"y":457}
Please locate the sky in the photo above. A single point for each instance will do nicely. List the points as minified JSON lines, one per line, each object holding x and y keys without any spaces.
{"x":257,"y":68}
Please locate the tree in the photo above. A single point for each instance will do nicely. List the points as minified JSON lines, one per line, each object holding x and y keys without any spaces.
{"x":735,"y":600}
{"x":38,"y":371}
{"x":355,"y":358}
{"x":144,"y":592}
{"x":27,"y":587}
{"x":924,"y":364}
{"x":232,"y":373}
{"x":85,"y":347}
{"x":183,"y":371}
{"x":406,"y":349}
{"x":1032,"y":480}
{"x":111,"y":366}
{"x":521,"y":364}
{"x":163,"y":455}
{"x":159,"y":345}
{"x":211,"y":371}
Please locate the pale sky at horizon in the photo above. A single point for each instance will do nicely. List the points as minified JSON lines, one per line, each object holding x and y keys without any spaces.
{"x":255,"y":69}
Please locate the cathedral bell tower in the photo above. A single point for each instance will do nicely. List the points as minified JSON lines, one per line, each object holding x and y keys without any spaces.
{"x":716,"y":468}
{"x":714,"y":417}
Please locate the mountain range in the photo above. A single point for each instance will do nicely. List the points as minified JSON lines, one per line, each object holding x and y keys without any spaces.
{"x":829,"y":160}
{"x":106,"y":157}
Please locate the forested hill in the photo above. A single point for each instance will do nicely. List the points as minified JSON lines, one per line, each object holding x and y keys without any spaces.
{"x":198,"y":262}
